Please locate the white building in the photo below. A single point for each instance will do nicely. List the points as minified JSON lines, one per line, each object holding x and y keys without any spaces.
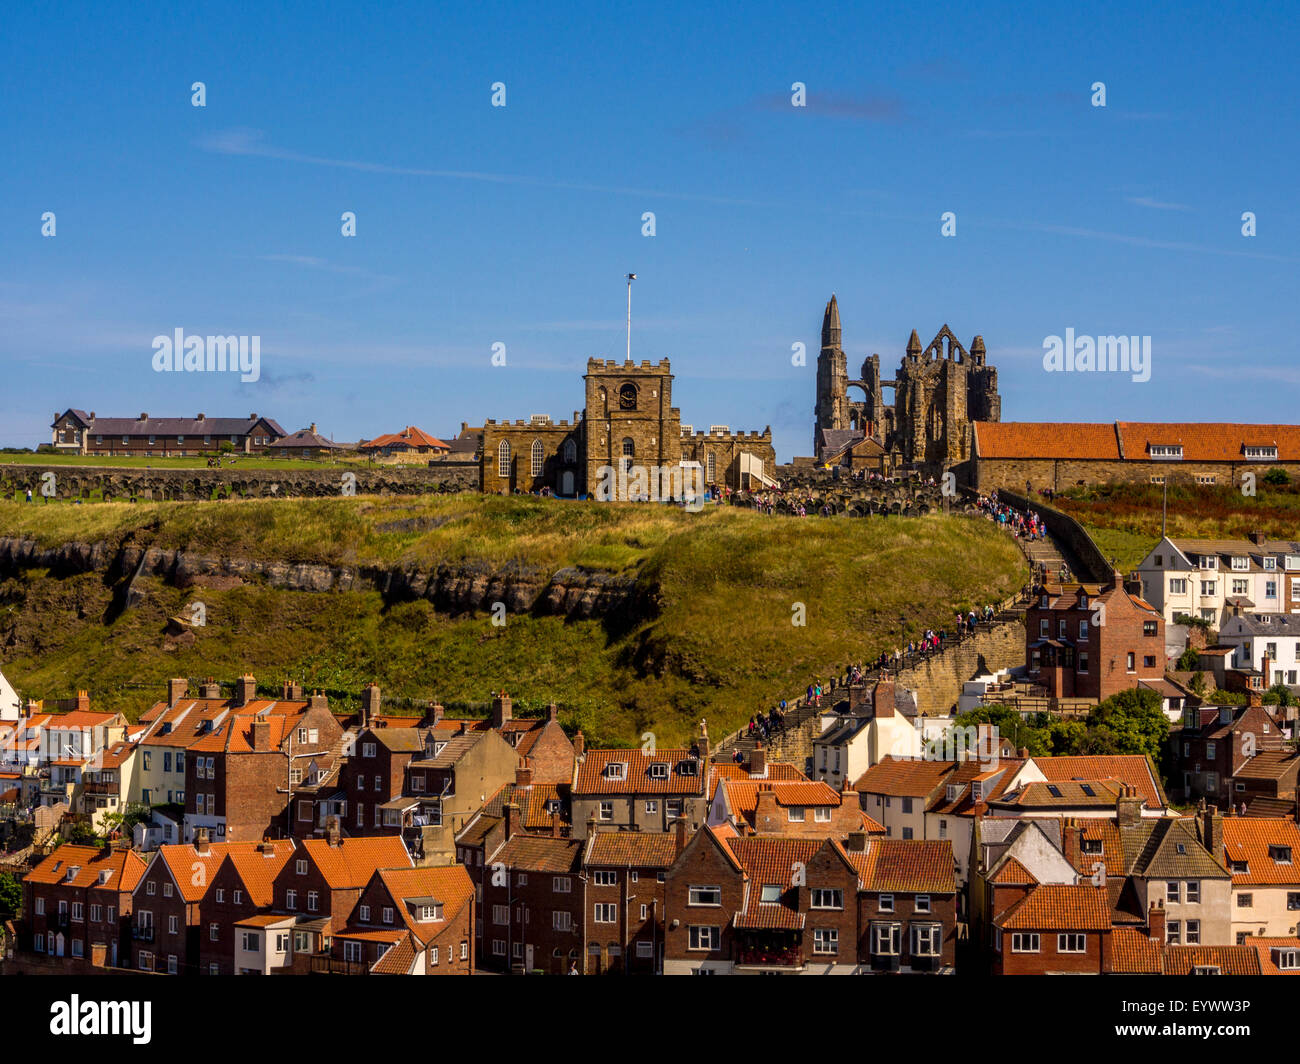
{"x":1266,"y":642}
{"x":1204,"y":578}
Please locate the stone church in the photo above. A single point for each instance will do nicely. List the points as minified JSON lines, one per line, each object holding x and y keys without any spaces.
{"x":628,"y":421}
{"x":937,"y":394}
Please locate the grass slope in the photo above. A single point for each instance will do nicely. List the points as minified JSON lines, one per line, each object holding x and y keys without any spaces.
{"x":1124,"y":519}
{"x":722,"y":646}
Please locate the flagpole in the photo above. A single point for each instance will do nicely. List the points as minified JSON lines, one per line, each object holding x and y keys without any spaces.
{"x":630,"y":278}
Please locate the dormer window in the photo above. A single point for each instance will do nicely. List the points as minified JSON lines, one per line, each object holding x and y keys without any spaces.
{"x":72,"y":872}
{"x":1092,"y":846}
{"x":954,"y":791}
{"x":428,"y":914}
{"x":1270,"y":563}
{"x":771,"y":894}
{"x":1261,"y":454}
{"x":1166,"y":451}
{"x":1240,"y":564}
{"x":687,"y":768}
{"x":658,"y":770}
{"x":616,"y":770}
{"x":1209,"y":561}
{"x":1239,"y":868}
{"x":1280,"y":854}
{"x":1286,"y":959}
{"x":1083,"y":602}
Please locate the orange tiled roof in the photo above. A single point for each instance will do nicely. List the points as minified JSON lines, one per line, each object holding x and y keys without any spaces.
{"x":540,"y":853}
{"x":1013,"y":872}
{"x":1249,"y":838}
{"x":125,"y":867}
{"x":1134,"y":952}
{"x":1029,"y":439}
{"x":768,"y":860}
{"x":356,"y":858}
{"x":906,"y":866}
{"x":742,"y":795}
{"x":449,"y":884}
{"x":632,"y":849}
{"x":1230,"y":960}
{"x":184,"y":863}
{"x":592,"y":777}
{"x":397,"y":959}
{"x":1209,"y":441}
{"x":1059,"y":907}
{"x":729,"y":770}
{"x":1133,"y":769}
{"x":904,"y":777}
{"x":1268,"y":958}
{"x":411,"y":436}
{"x":258,"y":867}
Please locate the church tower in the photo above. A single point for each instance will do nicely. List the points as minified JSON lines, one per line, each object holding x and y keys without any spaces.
{"x":832,"y":377}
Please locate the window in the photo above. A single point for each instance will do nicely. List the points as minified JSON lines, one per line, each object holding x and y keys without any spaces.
{"x":1245,"y":901}
{"x":237,"y":897}
{"x":886,"y":939}
{"x":171,"y":925}
{"x":1193,"y":932}
{"x":1193,"y":891}
{"x":1177,"y":586}
{"x":500,"y":914}
{"x":926,"y":939}
{"x":795,"y":814}
{"x":886,"y":903}
{"x":827,"y":898}
{"x":1131,"y":661}
{"x":1280,"y":854}
{"x":1083,"y":661}
{"x":95,"y":913}
{"x":77,"y":911}
{"x":659,"y":770}
{"x":561,"y":885}
{"x":605,"y":914}
{"x":503,"y":459}
{"x":1025,"y":942}
{"x":705,"y":938}
{"x":704,"y":896}
{"x":616,"y":770}
{"x":1083,"y":631}
{"x":1208,"y":586}
{"x":569,"y":453}
{"x":652,"y":808}
{"x":167,"y":890}
{"x":561,"y":921}
{"x":923,"y":903}
{"x":352,"y":952}
{"x":151,"y":888}
{"x":826,"y":940}
{"x":220,"y":895}
{"x":1071,"y":943}
{"x":1174,"y":932}
{"x":251,"y":941}
{"x":387,"y":914}
{"x":606,"y":810}
{"x":538,"y":456}
{"x":605,"y":879}
{"x":312,"y":901}
{"x":1172,"y":892}
{"x":647,"y":949}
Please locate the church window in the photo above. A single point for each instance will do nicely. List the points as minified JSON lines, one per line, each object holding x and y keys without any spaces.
{"x":503,"y":459}
{"x":539,"y":457}
{"x":710,"y":468}
{"x":570,"y":452}
{"x":629,"y":448}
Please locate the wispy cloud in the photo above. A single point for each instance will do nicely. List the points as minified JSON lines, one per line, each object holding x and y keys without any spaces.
{"x":1155,"y":204}
{"x":250,"y":142}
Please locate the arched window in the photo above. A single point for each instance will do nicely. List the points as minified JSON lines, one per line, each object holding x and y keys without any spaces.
{"x":539,"y":457}
{"x":503,"y":459}
{"x":629,"y":448}
{"x":570,"y":451}
{"x":710,"y":468}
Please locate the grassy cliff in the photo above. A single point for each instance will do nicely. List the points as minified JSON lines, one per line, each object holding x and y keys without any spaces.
{"x":721,"y":642}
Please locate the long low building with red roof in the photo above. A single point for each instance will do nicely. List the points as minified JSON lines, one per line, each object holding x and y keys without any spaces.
{"x":1011,"y":454}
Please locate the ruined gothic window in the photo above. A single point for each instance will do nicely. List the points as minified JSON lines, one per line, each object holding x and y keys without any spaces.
{"x":503,"y":459}
{"x":627,"y":397}
{"x":538,"y":457}
{"x":570,"y":452}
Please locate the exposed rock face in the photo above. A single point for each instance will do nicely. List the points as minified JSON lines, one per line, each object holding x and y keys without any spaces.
{"x":570,"y":592}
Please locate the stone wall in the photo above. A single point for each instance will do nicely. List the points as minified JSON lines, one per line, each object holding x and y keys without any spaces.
{"x":1062,"y":473}
{"x":938,"y":680}
{"x":1065,"y":529}
{"x":122,"y":483}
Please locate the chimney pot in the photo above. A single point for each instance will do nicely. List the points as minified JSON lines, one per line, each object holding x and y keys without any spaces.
{"x":177,"y":689}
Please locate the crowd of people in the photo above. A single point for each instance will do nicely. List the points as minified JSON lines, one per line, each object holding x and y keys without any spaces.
{"x":1028,"y":527}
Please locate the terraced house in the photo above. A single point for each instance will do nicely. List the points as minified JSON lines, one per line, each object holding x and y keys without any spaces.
{"x":78,"y":432}
{"x":636,"y":790}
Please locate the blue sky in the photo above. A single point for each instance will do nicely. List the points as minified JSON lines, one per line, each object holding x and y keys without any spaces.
{"x":478,"y":225}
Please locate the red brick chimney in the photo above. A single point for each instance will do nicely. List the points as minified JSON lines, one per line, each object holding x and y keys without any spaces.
{"x":1128,"y":806}
{"x":261,"y":735}
{"x":245,"y":689}
{"x":579,"y":744}
{"x":679,"y":829}
{"x":1212,"y":831}
{"x":500,"y":709}
{"x":435,"y":714}
{"x":510,"y":819}
{"x":370,"y":700}
{"x":83,"y":701}
{"x":758,"y":761}
{"x":210,"y":688}
{"x":177,"y":689}
{"x":333,"y":832}
{"x":882,"y":698}
{"x":856,"y":842}
{"x":1156,"y":921}
{"x":318,"y":701}
{"x":201,"y":841}
{"x":555,"y":824}
{"x":766,"y":812}
{"x":523,"y":776}
{"x":291,"y":691}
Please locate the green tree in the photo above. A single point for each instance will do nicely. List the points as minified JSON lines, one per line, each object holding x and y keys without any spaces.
{"x":1189,"y":660}
{"x":1276,"y":477}
{"x":1130,"y":722}
{"x":1031,"y":734}
{"x":11,"y":894}
{"x":1198,"y":683}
